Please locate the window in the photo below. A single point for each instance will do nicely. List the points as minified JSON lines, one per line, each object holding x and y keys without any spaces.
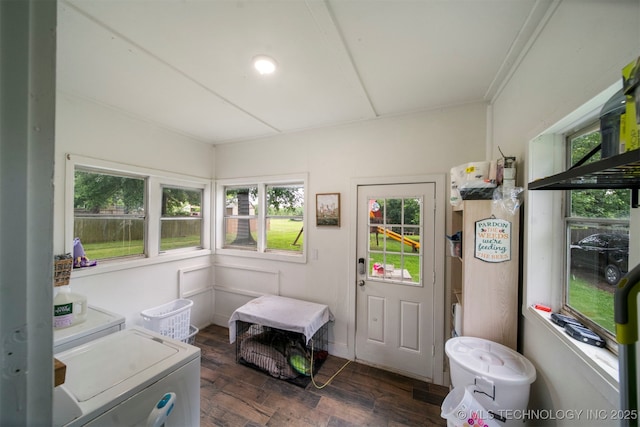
{"x":597,"y":246}
{"x":122,"y":212}
{"x":240,"y":219}
{"x":181,"y":220}
{"x":265,"y":217}
{"x":109,"y":214}
{"x":394,"y":245}
{"x":284,"y":218}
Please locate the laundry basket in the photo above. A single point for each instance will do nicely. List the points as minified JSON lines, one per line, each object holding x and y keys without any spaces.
{"x":191,"y":338}
{"x":171,"y":319}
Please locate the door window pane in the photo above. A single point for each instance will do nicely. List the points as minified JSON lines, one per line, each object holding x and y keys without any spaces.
{"x":394,"y":243}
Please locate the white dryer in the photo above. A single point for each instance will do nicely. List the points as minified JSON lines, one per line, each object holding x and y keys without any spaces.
{"x":121,"y":378}
{"x":99,"y":323}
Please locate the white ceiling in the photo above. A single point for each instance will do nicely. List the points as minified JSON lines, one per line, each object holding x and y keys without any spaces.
{"x":185,"y":65}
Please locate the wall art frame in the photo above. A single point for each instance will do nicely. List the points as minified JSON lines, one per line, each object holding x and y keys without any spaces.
{"x":328,"y":209}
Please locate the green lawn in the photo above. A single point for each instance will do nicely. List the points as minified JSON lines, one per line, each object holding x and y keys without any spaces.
{"x":105,"y":250}
{"x":96,"y":251}
{"x":411,"y":263}
{"x":281,"y":235}
{"x":593,"y":302}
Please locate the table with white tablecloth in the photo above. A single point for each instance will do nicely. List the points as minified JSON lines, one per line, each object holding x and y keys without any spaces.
{"x":284,"y":313}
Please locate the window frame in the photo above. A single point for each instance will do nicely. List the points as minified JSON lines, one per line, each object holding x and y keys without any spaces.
{"x":203,"y":210}
{"x":144,"y":217}
{"x":544,"y":261}
{"x":262,"y":182}
{"x":568,"y":221}
{"x":268,"y":217}
{"x":155,"y":181}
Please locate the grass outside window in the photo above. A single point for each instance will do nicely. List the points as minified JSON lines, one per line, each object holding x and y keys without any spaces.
{"x":593,"y":302}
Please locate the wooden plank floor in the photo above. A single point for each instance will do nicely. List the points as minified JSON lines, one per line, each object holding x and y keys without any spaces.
{"x":236,"y":395}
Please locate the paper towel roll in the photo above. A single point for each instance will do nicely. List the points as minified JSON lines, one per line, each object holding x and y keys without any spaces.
{"x":457,"y":319}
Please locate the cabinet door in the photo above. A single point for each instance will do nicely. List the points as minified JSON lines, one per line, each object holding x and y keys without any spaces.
{"x":490,"y":289}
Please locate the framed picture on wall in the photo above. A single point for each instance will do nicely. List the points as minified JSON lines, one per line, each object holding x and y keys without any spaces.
{"x":328,"y":209}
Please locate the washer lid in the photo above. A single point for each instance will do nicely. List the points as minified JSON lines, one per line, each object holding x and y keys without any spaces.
{"x":491,"y":360}
{"x":105,"y":363}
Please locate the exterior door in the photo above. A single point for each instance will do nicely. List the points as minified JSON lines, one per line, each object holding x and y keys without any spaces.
{"x":395,"y":277}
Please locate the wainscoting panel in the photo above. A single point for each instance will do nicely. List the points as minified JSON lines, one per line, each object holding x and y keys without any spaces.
{"x":196,"y":283}
{"x":235,"y":285}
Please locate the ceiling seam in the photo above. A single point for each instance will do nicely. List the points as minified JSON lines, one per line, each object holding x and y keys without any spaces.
{"x":549,"y":10}
{"x":127,"y":113}
{"x":345,"y":49}
{"x":170,"y":66}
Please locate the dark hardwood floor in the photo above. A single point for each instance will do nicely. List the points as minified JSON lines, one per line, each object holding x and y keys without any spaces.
{"x":233,"y":394}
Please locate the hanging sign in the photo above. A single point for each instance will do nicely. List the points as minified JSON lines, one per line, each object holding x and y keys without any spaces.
{"x":493,"y":240}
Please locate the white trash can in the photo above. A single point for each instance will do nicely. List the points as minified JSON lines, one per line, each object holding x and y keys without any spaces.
{"x":498,"y":377}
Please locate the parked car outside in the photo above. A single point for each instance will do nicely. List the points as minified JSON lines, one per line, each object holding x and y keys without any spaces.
{"x":608,"y":252}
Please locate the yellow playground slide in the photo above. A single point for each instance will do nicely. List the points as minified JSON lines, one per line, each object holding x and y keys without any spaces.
{"x":395,"y":236}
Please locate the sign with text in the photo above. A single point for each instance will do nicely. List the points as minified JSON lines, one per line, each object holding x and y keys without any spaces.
{"x":493,"y":240}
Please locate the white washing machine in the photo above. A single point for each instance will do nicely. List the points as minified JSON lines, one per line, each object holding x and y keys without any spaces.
{"x":121,"y":378}
{"x":99,"y":323}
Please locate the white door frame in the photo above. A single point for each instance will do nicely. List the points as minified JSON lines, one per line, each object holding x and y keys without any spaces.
{"x":439,"y":293}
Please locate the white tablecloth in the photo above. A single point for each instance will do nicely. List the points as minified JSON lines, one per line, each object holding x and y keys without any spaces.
{"x":282,"y":313}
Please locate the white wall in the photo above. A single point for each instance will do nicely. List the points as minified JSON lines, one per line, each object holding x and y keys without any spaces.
{"x":91,"y":130}
{"x":426,"y":143}
{"x":579,"y":53}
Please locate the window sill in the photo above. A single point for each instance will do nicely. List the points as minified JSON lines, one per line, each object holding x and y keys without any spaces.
{"x":273,"y":256}
{"x":118,"y":265}
{"x":600,"y":360}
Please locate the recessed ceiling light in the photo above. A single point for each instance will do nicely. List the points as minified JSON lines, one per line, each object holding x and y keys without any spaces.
{"x":264,"y":64}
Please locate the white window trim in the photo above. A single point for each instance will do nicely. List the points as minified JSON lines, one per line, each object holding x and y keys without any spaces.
{"x":155,"y":180}
{"x":261,"y":182}
{"x":205,"y":211}
{"x":545,"y":238}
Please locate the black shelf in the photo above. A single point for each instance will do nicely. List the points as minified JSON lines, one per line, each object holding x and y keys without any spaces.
{"x":615,"y":172}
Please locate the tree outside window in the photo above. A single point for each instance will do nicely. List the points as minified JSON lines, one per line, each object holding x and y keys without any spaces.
{"x":597,"y":230}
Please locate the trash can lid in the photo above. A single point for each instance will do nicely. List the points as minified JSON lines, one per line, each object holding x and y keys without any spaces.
{"x":491,"y":360}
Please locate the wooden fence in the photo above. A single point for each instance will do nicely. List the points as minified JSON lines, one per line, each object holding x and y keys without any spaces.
{"x":98,"y":230}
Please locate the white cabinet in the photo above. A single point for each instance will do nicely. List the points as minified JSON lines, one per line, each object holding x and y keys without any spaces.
{"x":484,"y":279}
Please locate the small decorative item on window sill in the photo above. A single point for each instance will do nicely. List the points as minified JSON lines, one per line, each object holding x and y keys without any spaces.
{"x":79,"y":257}
{"x":62,"y":265}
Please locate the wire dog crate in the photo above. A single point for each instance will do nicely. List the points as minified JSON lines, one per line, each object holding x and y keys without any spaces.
{"x":282,"y":354}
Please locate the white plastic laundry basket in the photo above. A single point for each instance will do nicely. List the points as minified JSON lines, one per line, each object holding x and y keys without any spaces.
{"x":191,"y":338}
{"x":171,"y":319}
